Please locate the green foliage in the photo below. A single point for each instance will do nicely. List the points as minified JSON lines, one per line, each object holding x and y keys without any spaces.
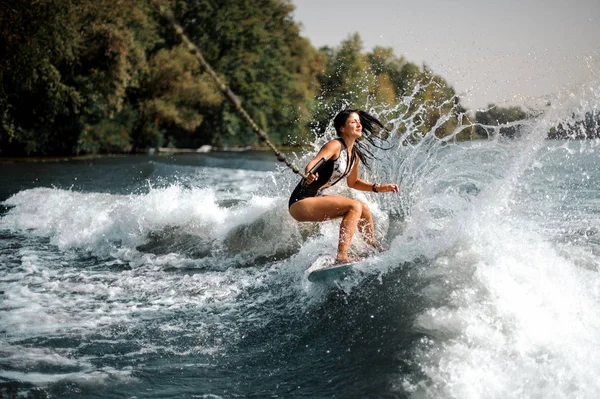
{"x":579,"y":127}
{"x":490,"y":122}
{"x":176,"y":97}
{"x":89,"y":76}
{"x":387,"y":68}
{"x":346,"y":80}
{"x":109,"y":135}
{"x":111,"y":70}
{"x":38,"y":43}
{"x":256,"y":45}
{"x":98,"y":76}
{"x":69,"y":66}
{"x":381,"y":80}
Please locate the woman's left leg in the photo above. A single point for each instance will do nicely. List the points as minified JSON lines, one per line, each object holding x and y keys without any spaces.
{"x":365,"y":225}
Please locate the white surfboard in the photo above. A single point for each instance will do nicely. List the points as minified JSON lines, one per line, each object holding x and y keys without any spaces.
{"x":324,"y":269}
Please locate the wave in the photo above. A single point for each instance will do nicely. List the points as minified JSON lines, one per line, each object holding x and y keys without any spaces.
{"x":489,"y":287}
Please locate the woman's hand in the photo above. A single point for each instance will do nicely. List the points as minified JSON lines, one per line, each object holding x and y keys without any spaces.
{"x":386,"y":188}
{"x":311,"y":178}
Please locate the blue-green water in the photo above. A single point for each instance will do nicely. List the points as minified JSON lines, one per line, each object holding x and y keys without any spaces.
{"x":183,"y":277}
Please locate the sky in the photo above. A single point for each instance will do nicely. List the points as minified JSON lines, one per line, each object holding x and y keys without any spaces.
{"x":505,"y":52}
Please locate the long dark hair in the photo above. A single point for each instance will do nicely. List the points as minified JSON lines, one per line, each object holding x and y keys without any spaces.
{"x":371,"y":127}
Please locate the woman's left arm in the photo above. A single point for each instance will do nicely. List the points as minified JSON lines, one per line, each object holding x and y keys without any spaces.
{"x":358,"y":184}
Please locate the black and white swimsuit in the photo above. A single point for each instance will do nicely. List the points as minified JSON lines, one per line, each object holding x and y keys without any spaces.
{"x":330,"y":173}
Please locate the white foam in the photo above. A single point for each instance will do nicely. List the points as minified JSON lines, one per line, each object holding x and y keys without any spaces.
{"x":513,"y":313}
{"x":522,"y":321}
{"x":508,"y":311}
{"x":104,"y":376}
{"x":103,"y":223}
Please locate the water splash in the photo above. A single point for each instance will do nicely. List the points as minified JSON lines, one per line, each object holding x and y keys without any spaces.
{"x":512,"y":312}
{"x":494,"y":241}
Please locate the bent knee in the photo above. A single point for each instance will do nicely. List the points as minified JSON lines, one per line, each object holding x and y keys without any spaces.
{"x":356,"y":206}
{"x":364,"y":208}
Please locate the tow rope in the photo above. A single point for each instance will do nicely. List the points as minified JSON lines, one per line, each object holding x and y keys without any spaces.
{"x":194,"y":50}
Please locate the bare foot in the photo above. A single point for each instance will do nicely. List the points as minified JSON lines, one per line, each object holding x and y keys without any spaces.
{"x":341,"y":261}
{"x":380,"y":248}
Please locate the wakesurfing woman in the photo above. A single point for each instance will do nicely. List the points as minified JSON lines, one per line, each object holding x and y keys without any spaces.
{"x":340,"y":158}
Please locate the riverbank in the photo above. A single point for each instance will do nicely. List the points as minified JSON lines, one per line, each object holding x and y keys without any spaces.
{"x":162,"y":151}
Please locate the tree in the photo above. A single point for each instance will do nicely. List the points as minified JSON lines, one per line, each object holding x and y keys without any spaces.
{"x":110,"y":70}
{"x":177,"y":96}
{"x":67,"y":70}
{"x":38,"y":45}
{"x":490,"y":122}
{"x":256,"y":46}
{"x":347,"y":80}
{"x":580,"y":127}
{"x":422,"y":100}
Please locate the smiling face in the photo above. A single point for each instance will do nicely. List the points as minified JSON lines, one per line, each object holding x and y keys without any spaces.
{"x":352,"y":127}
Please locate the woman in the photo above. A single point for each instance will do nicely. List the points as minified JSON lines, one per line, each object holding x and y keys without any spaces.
{"x":342,"y":157}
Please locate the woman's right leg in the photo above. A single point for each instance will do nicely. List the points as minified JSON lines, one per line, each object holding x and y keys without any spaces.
{"x":318,"y":209}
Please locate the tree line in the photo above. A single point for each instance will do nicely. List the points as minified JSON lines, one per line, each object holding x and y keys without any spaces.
{"x":106,"y":76}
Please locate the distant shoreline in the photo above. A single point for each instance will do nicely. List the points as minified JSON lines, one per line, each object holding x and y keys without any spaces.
{"x":160,"y":152}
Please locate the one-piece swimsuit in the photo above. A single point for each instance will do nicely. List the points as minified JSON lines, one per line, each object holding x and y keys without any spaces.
{"x":330,"y":173}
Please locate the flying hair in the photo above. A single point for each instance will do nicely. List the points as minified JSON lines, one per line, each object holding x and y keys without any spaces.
{"x":371,"y":127}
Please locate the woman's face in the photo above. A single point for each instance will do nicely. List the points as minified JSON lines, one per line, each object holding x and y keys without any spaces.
{"x":352,"y":127}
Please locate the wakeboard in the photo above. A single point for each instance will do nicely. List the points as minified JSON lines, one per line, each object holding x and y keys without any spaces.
{"x":324,"y":269}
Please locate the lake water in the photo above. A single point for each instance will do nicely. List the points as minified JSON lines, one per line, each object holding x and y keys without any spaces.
{"x":184,"y":277}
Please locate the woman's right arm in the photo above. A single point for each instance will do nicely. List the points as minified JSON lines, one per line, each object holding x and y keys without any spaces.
{"x":328,"y":151}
